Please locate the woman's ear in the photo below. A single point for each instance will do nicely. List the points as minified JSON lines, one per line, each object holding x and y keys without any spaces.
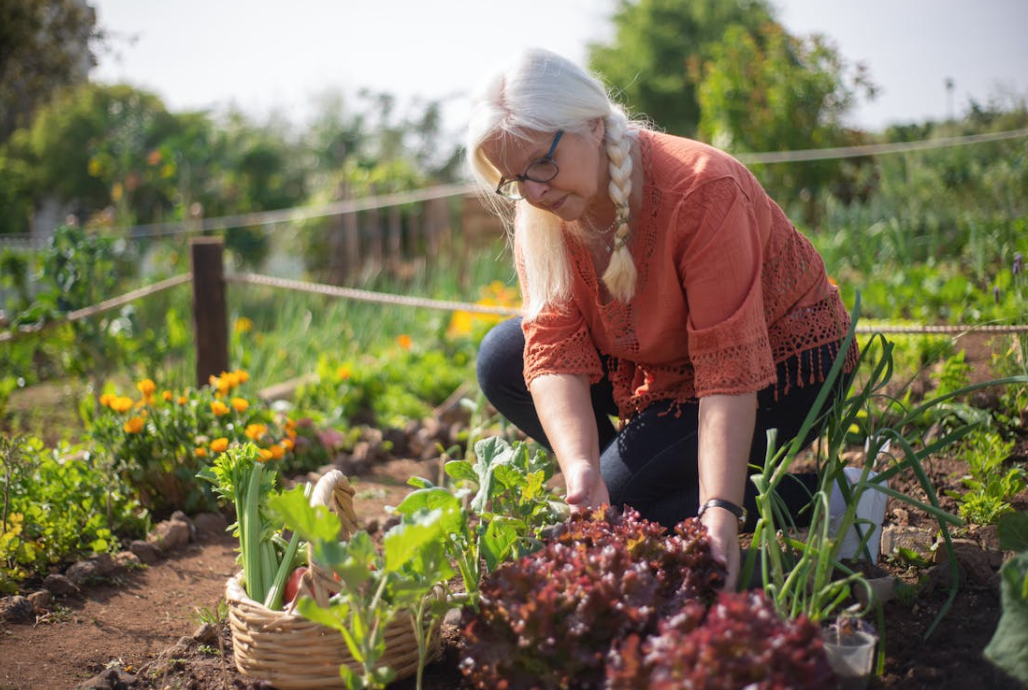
{"x":598,"y":129}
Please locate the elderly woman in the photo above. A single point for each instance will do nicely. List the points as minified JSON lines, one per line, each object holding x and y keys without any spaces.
{"x":662,"y":285}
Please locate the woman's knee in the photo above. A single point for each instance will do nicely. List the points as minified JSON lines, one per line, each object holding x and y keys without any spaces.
{"x":500,"y":361}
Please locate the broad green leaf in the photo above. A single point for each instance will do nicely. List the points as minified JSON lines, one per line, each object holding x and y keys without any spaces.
{"x":352,"y":560}
{"x":508,"y":476}
{"x":1009,"y":646}
{"x":1013,"y":532}
{"x":311,"y":523}
{"x":453,"y":519}
{"x":461,"y":470}
{"x":498,"y":541}
{"x":420,"y":483}
{"x":403,"y":542}
{"x":310,"y":610}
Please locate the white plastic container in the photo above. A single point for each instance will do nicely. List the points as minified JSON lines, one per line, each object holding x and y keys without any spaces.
{"x":871,"y":506}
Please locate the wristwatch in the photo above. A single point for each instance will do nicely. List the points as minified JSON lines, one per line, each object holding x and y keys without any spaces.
{"x":736,"y":510}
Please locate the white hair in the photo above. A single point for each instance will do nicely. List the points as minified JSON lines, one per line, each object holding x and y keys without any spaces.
{"x":544,"y":92}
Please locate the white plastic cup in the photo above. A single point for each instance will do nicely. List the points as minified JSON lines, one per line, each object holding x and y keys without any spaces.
{"x":851,"y":656}
{"x":871,"y":506}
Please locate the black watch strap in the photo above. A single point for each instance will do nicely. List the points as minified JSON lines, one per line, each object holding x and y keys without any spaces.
{"x":737,"y":510}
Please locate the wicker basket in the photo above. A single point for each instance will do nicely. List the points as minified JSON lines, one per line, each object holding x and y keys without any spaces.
{"x":291,"y":652}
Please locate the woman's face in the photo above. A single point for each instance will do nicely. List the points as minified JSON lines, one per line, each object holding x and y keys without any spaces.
{"x":580,"y":183}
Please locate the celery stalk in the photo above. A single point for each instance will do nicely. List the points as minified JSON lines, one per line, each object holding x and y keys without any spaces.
{"x":274,"y":599}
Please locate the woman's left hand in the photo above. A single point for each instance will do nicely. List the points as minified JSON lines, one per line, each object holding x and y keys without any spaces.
{"x":723,"y":530}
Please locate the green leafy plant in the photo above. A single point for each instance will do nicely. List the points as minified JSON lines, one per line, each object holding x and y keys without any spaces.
{"x":239,"y":476}
{"x":376,"y":586}
{"x":507,"y":506}
{"x":989,"y":487}
{"x":58,"y":505}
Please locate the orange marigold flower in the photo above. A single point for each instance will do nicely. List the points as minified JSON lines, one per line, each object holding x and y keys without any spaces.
{"x":121,"y":404}
{"x":287,"y":443}
{"x":343,"y":373}
{"x":241,"y":375}
{"x":167,"y":396}
{"x":277,"y":451}
{"x":201,"y":452}
{"x":240,"y":404}
{"x":255,"y":431}
{"x":265,"y":454}
{"x":219,"y":408}
{"x":134,"y":425}
{"x":219,"y":445}
{"x":105,"y":399}
{"x":146,"y":387}
{"x":404,"y":341}
{"x":182,"y":400}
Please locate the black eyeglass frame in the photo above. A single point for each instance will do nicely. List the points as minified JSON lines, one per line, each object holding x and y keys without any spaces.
{"x":548,"y":159}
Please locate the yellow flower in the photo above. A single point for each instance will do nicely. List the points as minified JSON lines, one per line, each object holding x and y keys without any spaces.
{"x":105,"y":399}
{"x":201,"y":452}
{"x":277,"y":451}
{"x":241,"y":376}
{"x":265,"y":454}
{"x":219,"y":408}
{"x":166,"y":396}
{"x":134,"y":425}
{"x":219,"y":445}
{"x":255,"y":431}
{"x":240,"y":404}
{"x":222,"y":383}
{"x":243,"y":325}
{"x":287,"y":443}
{"x":182,"y":400}
{"x":343,"y":373}
{"x":146,"y":387}
{"x":121,"y":404}
{"x":404,"y":341}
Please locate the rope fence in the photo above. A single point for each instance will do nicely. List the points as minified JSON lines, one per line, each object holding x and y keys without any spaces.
{"x":443,"y":305}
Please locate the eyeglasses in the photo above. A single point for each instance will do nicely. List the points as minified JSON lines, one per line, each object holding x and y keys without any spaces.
{"x":542,"y":170}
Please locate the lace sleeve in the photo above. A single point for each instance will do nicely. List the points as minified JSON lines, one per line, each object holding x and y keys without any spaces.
{"x":557,"y":341}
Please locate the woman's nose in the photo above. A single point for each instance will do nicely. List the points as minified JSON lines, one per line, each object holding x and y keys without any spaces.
{"x":533,"y":191}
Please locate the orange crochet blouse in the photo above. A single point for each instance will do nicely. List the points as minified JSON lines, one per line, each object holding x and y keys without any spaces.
{"x":727,"y":288}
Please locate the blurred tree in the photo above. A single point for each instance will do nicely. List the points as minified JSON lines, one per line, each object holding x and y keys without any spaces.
{"x":764,"y":90}
{"x":658,"y":44}
{"x":44,"y":46}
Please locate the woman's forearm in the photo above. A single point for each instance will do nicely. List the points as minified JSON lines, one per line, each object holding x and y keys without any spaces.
{"x":564,"y":405}
{"x":725,"y":436}
{"x":565,"y":410}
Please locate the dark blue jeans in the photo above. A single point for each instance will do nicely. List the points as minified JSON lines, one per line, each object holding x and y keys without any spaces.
{"x":651,"y":463}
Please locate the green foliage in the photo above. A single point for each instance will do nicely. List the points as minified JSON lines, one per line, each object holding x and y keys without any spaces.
{"x":398,"y":384}
{"x":764,"y":90}
{"x":45,"y":47}
{"x":658,"y":44}
{"x":1008,"y":648}
{"x":58,"y":504}
{"x":989,"y":487}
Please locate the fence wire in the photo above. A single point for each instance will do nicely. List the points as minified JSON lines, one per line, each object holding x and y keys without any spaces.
{"x":426,"y":303}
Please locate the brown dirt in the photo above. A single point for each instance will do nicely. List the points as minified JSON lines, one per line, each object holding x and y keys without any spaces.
{"x":133,"y":622}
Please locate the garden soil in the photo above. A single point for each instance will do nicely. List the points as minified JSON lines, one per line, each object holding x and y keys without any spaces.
{"x":141,"y":628}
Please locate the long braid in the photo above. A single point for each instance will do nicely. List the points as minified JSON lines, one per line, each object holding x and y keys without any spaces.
{"x":621,"y":274}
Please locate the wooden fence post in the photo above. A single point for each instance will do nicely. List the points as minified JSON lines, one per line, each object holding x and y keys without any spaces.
{"x":210,"y":315}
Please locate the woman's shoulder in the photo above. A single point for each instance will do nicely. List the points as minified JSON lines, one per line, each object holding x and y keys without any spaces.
{"x":686,"y":165}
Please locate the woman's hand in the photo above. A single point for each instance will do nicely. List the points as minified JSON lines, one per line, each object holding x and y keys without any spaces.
{"x":723,"y":530}
{"x":585,"y":485}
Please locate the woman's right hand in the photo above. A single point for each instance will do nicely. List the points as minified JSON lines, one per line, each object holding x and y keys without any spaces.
{"x":585,"y":485}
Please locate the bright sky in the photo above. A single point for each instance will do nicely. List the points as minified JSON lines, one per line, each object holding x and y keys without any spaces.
{"x":266,"y":55}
